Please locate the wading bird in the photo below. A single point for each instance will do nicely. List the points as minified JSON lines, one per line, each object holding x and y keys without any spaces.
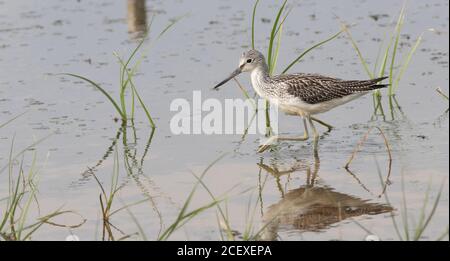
{"x":300,"y":94}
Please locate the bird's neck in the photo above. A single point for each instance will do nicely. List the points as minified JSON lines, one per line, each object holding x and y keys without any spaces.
{"x":261,"y":72}
{"x":260,"y":77}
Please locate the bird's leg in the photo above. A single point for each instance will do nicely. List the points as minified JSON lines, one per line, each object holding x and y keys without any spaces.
{"x":302,"y":138}
{"x":316,"y":136}
{"x":276,"y":138}
{"x":328,"y":126}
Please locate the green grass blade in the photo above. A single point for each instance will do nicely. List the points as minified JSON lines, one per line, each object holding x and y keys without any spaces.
{"x":278,"y":34}
{"x":443,"y":95}
{"x":101,"y":90}
{"x":147,"y":113}
{"x":24,"y":212}
{"x":310,"y":49}
{"x":422,"y":212}
{"x":176,"y":20}
{"x":124,"y":70}
{"x":187,"y":217}
{"x":115,"y":175}
{"x":383,"y":41}
{"x":253,"y":23}
{"x":44,"y":220}
{"x":136,"y":222}
{"x":125,"y":66}
{"x":134,"y":91}
{"x":284,"y":19}
{"x":385,"y":58}
{"x":404,"y":212}
{"x":133,"y":104}
{"x":12,"y":119}
{"x":13,"y":191}
{"x":405,"y":63}
{"x":377,"y":60}
{"x":384,"y":61}
{"x":388,"y":202}
{"x":134,"y":69}
{"x":24,"y":150}
{"x":358,"y":51}
{"x":395,"y":33}
{"x":222,"y":213}
{"x":222,"y":238}
{"x":181,"y":215}
{"x":432,"y":212}
{"x":277,"y":49}
{"x":394,"y":51}
{"x":272,"y":35}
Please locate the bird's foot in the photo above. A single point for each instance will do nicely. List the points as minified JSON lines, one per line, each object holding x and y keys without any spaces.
{"x":267,"y":144}
{"x":326,"y":125}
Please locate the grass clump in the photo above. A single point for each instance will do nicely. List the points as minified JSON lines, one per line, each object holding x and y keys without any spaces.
{"x":108,"y":197}
{"x":387,"y":60}
{"x":413,"y":230}
{"x":21,"y":200}
{"x":22,"y":197}
{"x":413,"y":226}
{"x":126,"y":75}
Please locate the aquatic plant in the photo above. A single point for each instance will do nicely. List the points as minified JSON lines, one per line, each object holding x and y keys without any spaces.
{"x":443,"y":95}
{"x":126,"y":83}
{"x":184,"y":215}
{"x":387,"y":61}
{"x":250,"y":232}
{"x":408,"y":228}
{"x":12,"y":119}
{"x":411,"y":230}
{"x":21,"y":199}
{"x":108,"y":196}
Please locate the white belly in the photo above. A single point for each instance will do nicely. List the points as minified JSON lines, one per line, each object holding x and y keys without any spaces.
{"x":296,"y":106}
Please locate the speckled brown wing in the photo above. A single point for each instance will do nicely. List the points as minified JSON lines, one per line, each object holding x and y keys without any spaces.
{"x":313,"y":88}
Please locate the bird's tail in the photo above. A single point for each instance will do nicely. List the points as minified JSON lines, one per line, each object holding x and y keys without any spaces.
{"x":367,"y":85}
{"x":377,"y":80}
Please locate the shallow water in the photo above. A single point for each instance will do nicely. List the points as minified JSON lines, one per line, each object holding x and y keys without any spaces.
{"x":39,"y":39}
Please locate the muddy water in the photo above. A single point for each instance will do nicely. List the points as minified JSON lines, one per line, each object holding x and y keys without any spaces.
{"x":307,"y":198}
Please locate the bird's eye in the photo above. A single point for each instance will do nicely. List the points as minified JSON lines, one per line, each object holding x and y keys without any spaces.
{"x":249,"y":60}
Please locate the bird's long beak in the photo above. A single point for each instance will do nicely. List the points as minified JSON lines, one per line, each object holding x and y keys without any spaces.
{"x":233,"y":74}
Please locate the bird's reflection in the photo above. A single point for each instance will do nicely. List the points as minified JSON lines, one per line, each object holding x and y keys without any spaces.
{"x":312,"y":207}
{"x":136,"y":17}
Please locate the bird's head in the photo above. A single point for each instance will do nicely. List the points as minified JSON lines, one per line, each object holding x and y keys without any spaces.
{"x":249,"y":61}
